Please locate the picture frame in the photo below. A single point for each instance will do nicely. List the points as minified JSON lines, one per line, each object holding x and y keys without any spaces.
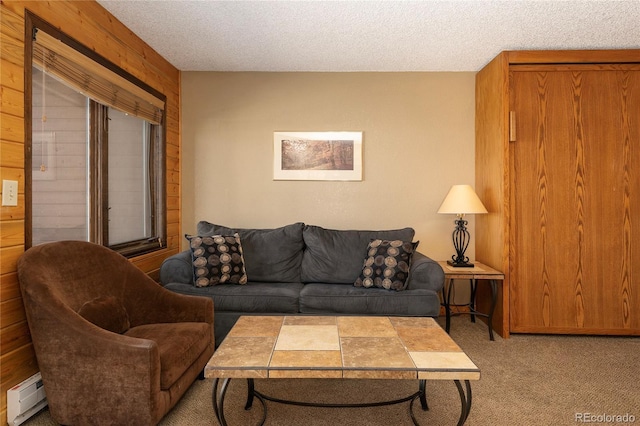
{"x":332,"y":156}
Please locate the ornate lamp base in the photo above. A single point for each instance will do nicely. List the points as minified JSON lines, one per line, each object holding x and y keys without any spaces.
{"x":460,"y":265}
{"x":461,"y":239}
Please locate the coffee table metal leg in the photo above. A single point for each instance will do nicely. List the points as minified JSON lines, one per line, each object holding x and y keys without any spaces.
{"x":465,"y":401}
{"x":218,"y":400}
{"x":218,"y":405}
{"x":250,"y":394}
{"x":423,"y":395}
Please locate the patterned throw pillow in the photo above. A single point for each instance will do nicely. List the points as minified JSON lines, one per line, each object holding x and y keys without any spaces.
{"x":387,"y":264}
{"x":217,"y":260}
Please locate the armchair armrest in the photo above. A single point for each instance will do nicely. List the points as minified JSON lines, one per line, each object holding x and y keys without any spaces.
{"x":425,"y":273}
{"x":105,"y":360}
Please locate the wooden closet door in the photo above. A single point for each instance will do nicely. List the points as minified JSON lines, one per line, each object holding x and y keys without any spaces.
{"x":575,"y":199}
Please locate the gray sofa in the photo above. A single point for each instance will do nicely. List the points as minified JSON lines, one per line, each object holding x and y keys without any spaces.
{"x":307,"y":270}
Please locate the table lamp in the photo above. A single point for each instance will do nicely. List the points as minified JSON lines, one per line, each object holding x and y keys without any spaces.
{"x":461,"y":200}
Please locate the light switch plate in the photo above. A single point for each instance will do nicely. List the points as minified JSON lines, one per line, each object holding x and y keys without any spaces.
{"x":9,"y":192}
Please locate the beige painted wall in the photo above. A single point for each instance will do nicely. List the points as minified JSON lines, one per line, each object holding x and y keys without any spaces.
{"x":418,"y":140}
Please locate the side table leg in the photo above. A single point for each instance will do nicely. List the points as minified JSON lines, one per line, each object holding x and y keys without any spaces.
{"x":494,"y":299}
{"x":447,"y":299}
{"x":465,"y":401}
{"x":472,"y":300}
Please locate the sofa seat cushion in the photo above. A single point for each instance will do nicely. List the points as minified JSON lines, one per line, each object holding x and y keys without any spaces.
{"x":251,"y":297}
{"x":341,"y":299}
{"x":335,"y":256}
{"x":178,"y":345}
{"x":271,"y":255}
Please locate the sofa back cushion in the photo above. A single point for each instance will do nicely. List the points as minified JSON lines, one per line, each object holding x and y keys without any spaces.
{"x":270,"y":255}
{"x":336,"y":256}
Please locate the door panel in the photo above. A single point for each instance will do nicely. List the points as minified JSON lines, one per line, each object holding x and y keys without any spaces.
{"x":574,"y":168}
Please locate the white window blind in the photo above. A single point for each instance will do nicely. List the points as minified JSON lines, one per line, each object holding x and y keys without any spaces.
{"x":93,"y":79}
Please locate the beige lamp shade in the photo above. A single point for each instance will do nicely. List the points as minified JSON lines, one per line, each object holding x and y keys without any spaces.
{"x":460,"y":200}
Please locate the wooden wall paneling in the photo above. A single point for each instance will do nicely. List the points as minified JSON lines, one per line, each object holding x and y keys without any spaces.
{"x":12,"y":77}
{"x":175,"y":240}
{"x":11,"y":312}
{"x":12,"y":152}
{"x":12,"y":130}
{"x":9,"y":256}
{"x":12,"y":213}
{"x":15,"y":336}
{"x":173,"y":217}
{"x":90,"y":24}
{"x":173,"y":151}
{"x":173,"y":189}
{"x":12,"y":25}
{"x":173,"y":203}
{"x":15,"y":366}
{"x":13,"y":173}
{"x":12,"y":101}
{"x":11,"y":47}
{"x":12,"y":233}
{"x":9,"y":288}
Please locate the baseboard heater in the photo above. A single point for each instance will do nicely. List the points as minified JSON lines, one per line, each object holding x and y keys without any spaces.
{"x":25,"y":399}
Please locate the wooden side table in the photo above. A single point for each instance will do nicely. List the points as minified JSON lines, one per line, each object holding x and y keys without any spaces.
{"x":479,"y":272}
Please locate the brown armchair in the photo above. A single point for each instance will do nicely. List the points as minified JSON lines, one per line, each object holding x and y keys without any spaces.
{"x":113,"y":346}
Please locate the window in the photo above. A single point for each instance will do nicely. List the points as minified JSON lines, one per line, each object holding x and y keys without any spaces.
{"x":96,"y":150}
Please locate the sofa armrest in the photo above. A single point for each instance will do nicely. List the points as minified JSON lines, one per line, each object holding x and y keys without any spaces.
{"x":425,"y":273}
{"x":177,"y":269}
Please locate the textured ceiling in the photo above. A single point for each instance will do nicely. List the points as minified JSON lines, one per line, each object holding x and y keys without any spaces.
{"x":428,"y":35}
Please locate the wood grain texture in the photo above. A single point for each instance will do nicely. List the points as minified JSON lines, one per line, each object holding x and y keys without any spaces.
{"x":572,"y":200}
{"x":573,"y":259}
{"x":492,"y":184}
{"x":573,"y":56}
{"x":9,"y":288}
{"x":91,"y":25}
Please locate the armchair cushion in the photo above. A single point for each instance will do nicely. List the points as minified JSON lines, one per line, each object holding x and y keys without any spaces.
{"x":106,"y":312}
{"x":178,"y":345}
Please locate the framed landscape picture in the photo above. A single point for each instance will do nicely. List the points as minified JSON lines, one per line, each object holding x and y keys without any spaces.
{"x":317,"y":156}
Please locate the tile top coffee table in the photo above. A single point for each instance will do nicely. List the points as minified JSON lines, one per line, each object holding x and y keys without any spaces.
{"x":261,"y":347}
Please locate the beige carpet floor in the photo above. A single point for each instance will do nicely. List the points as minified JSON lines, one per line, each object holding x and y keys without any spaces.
{"x":525,"y":380}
